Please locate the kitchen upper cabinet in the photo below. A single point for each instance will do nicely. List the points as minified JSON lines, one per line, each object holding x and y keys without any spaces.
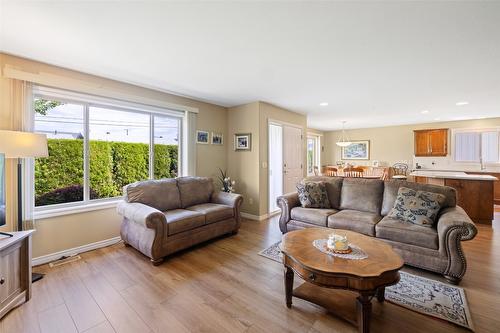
{"x":431,"y":142}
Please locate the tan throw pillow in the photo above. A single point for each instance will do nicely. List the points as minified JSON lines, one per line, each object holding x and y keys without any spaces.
{"x":417,"y":207}
{"x":313,"y":194}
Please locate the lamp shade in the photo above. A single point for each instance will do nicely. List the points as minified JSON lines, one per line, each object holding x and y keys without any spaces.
{"x":16,"y":144}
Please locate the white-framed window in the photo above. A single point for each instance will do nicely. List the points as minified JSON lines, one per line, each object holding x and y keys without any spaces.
{"x":476,"y":146}
{"x":98,"y":145}
{"x":313,"y":153}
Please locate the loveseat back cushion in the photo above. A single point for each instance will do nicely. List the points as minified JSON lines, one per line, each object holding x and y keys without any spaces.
{"x":391,"y":188}
{"x":161,"y":194}
{"x":195,"y":190}
{"x":333,"y":188}
{"x":362,"y":194}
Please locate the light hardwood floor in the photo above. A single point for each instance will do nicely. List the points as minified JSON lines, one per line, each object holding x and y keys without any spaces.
{"x":223,"y":286}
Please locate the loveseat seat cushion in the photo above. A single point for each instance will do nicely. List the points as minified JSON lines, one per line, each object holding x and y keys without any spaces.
{"x":362,"y":222}
{"x":404,"y":232}
{"x":362,"y":194}
{"x":213,"y":212}
{"x":391,"y":188}
{"x":162,"y":194}
{"x":179,"y":220}
{"x":195,"y":190}
{"x":317,"y":216}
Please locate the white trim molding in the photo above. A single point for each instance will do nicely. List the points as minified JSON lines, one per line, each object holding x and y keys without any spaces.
{"x":259,"y":217}
{"x":74,"y":251}
{"x":41,"y":213}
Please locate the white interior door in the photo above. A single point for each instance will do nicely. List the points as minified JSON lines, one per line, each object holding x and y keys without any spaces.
{"x":275,"y":165}
{"x":292,"y":158}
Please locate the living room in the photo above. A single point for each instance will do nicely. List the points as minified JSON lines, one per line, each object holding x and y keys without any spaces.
{"x":249,"y":166}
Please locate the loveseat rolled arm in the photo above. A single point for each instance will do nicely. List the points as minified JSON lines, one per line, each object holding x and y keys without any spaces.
{"x":230,"y":199}
{"x":286,"y":202}
{"x":143,"y":227}
{"x":454,"y":226}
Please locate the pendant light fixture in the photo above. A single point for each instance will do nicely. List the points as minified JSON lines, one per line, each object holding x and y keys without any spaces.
{"x":344,"y":140}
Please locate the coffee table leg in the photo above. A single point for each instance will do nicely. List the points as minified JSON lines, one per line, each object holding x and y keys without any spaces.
{"x":380,"y":294}
{"x":364,"y":309}
{"x":288,"y":286}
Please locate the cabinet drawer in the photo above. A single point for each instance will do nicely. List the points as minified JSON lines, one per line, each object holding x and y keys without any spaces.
{"x":10,"y":273}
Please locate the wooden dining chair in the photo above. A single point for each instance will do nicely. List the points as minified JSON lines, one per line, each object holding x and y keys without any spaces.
{"x":330,"y":171}
{"x":354,"y":172}
{"x":399,"y":171}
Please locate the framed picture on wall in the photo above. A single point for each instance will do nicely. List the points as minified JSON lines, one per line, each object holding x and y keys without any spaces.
{"x":358,"y":150}
{"x":202,"y":137}
{"x":243,"y":142}
{"x":217,"y":139}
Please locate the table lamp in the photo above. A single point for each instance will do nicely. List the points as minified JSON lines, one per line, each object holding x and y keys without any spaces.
{"x":16,"y":144}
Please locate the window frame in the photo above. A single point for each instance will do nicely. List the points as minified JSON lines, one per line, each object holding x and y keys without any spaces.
{"x":88,"y":101}
{"x":474,"y":130}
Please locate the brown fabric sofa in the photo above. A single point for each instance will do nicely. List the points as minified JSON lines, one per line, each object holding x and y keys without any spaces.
{"x":362,"y":205}
{"x":164,"y":216}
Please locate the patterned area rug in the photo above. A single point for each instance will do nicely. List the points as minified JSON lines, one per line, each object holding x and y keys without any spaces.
{"x":418,"y":294}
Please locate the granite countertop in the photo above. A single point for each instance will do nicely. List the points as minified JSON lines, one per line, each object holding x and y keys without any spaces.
{"x":451,"y":175}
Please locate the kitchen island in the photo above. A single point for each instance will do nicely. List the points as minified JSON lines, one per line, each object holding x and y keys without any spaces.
{"x":475,"y":192}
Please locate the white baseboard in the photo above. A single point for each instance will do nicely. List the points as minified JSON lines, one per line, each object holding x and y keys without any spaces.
{"x":259,"y":217}
{"x":74,"y":251}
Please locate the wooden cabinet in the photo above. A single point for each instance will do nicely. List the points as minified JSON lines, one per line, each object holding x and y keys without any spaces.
{"x":474,"y":196}
{"x":431,"y":142}
{"x":15,"y":270}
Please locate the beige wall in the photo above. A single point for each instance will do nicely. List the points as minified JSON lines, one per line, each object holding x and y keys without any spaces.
{"x":270,"y":112}
{"x":60,"y":233}
{"x":243,"y":166}
{"x":395,"y":143}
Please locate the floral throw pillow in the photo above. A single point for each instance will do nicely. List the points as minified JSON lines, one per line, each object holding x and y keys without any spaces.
{"x":313,"y":194}
{"x":417,"y":207}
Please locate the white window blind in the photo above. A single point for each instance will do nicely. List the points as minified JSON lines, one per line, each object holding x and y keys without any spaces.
{"x":467,"y":147}
{"x":477,"y":146}
{"x":489,"y":146}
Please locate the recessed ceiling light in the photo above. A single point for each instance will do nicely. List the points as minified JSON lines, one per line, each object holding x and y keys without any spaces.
{"x":323,"y":104}
{"x":461,"y":103}
{"x":424,"y":112}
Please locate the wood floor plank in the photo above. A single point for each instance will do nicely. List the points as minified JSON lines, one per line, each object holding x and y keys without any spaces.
{"x":56,"y":320}
{"x":104,"y":327}
{"x":81,"y":305}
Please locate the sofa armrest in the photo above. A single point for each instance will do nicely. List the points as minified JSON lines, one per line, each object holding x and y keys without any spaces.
{"x":286,"y":202}
{"x":142,"y":214}
{"x":230,"y":199}
{"x":454,"y":226}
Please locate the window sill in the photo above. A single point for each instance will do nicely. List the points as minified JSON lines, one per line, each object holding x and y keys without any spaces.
{"x":61,"y":211}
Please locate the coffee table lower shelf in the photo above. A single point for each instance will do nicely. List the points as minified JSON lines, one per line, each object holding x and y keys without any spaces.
{"x":354,"y":307}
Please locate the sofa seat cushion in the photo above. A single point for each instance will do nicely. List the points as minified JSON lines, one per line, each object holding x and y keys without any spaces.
{"x":179,"y":220}
{"x":317,"y":216}
{"x":213,"y":212}
{"x":354,"y":220}
{"x":404,"y":232}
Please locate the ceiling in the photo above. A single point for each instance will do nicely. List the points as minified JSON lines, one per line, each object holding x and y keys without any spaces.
{"x":376,"y":64}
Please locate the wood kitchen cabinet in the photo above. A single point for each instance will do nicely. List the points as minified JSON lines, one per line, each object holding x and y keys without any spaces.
{"x":431,"y":142}
{"x":474,"y":196}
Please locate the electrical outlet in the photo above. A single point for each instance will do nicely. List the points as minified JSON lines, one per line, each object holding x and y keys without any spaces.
{"x":250,"y":201}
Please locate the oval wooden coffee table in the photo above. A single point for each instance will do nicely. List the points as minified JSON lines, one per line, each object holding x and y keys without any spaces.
{"x":367,"y":277}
